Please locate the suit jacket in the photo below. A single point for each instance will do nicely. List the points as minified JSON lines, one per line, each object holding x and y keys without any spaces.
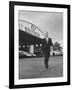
{"x":46,"y":45}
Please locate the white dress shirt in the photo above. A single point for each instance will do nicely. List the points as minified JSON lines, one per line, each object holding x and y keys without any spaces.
{"x":47,"y":39}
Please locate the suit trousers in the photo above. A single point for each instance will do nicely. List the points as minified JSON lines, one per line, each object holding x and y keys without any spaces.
{"x":46,"y":59}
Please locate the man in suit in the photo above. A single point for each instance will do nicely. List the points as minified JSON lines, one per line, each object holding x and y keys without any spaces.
{"x":46,"y":44}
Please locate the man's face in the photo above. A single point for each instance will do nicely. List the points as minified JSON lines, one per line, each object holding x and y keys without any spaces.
{"x":46,"y":34}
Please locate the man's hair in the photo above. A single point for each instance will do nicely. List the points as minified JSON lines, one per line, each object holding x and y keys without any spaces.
{"x":46,"y":34}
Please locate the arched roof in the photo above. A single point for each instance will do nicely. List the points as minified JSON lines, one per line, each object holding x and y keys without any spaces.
{"x":31,"y":27}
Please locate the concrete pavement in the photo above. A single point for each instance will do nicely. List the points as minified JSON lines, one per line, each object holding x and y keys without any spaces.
{"x":34,"y":68}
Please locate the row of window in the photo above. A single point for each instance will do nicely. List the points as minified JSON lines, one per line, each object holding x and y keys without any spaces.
{"x":29,"y":45}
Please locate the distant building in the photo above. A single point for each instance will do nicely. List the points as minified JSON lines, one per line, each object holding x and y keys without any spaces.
{"x":30,"y":41}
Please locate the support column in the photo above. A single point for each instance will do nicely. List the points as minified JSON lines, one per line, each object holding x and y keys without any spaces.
{"x":31,"y":49}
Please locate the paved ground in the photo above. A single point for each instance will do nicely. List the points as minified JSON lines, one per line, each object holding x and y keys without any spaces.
{"x":34,"y":68}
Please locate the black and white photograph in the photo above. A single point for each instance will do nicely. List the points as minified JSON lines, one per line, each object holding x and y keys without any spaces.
{"x":40,"y":44}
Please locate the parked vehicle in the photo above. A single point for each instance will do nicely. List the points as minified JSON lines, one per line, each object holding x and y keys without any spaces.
{"x":56,"y":53}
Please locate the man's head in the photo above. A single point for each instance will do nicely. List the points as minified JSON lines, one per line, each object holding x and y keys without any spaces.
{"x":46,"y":34}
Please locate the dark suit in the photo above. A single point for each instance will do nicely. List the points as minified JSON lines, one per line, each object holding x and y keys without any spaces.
{"x":46,"y":50}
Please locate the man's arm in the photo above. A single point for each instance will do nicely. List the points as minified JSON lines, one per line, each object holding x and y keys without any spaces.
{"x":51,"y":42}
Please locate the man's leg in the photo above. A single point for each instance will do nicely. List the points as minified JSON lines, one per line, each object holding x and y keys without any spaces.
{"x":46,"y":60}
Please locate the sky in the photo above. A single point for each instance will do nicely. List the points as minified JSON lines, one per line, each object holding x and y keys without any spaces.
{"x":51,"y":22}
